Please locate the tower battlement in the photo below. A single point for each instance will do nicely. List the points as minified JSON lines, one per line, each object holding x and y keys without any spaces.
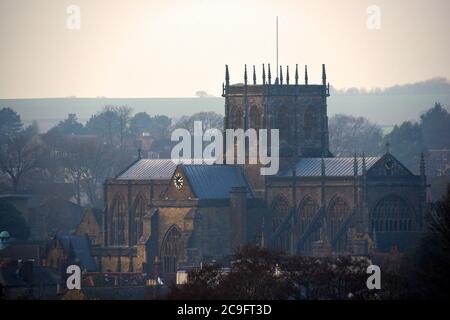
{"x":276,"y":90}
{"x":281,"y":85}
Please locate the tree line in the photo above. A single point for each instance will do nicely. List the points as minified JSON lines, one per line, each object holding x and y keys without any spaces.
{"x":349,"y":135}
{"x":72,"y":160}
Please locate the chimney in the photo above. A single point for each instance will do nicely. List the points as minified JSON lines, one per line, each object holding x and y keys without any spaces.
{"x":422,"y":165}
{"x":26,"y":271}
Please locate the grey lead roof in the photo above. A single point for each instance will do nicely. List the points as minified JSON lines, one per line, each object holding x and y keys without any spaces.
{"x":215,"y":181}
{"x":334,"y":167}
{"x":149,"y":169}
{"x":207,"y":181}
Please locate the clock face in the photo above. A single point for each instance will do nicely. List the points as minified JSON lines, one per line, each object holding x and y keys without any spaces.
{"x":178,"y":181}
{"x":389,"y":164}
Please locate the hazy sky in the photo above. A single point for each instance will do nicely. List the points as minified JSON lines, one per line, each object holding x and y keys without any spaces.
{"x":168,"y":48}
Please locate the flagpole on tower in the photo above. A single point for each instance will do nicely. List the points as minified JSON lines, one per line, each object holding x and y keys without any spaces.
{"x":277,"y":44}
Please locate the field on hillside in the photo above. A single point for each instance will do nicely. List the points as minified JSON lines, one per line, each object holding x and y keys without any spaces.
{"x":385,"y":110}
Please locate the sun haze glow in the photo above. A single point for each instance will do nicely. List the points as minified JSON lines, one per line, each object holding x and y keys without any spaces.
{"x":174,"y":48}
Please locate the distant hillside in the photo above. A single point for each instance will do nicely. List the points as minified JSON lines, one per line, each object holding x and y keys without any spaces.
{"x":386,"y":107}
{"x":386,"y":110}
{"x":438,"y":85}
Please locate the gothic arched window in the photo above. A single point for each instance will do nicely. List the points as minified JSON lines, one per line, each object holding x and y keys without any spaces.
{"x":236,"y":118}
{"x":118,"y":221}
{"x":284,"y":123}
{"x":308,"y":123}
{"x":171,"y":250}
{"x":139,"y":210}
{"x":255,"y":118}
{"x":307,"y":210}
{"x":392,"y":214}
{"x":338,"y":211}
{"x":280,"y":210}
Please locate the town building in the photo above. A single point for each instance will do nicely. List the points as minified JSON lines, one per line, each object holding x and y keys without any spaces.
{"x":160,"y":216}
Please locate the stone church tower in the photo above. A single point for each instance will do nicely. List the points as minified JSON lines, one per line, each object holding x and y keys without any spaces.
{"x":299,"y":111}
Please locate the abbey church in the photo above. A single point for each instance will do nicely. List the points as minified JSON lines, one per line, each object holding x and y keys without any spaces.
{"x":160,"y":217}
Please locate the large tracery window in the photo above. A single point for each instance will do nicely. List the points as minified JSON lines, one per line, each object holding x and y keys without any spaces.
{"x":307,"y":210}
{"x":171,"y":250}
{"x":118,"y":222}
{"x":236,"y":118}
{"x":309,"y":123}
{"x":255,"y":118}
{"x":280,"y":210}
{"x":338,"y":211}
{"x":392,"y":214}
{"x":139,"y":210}
{"x":284,"y":123}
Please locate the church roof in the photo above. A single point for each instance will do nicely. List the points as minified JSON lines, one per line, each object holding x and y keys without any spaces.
{"x":334,"y":167}
{"x":207,"y":181}
{"x":149,"y":169}
{"x":215,"y":181}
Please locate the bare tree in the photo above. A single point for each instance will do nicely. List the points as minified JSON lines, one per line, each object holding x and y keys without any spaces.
{"x":209,"y":120}
{"x":19,"y":155}
{"x":350,"y":134}
{"x":124,"y":116}
{"x":87,"y":162}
